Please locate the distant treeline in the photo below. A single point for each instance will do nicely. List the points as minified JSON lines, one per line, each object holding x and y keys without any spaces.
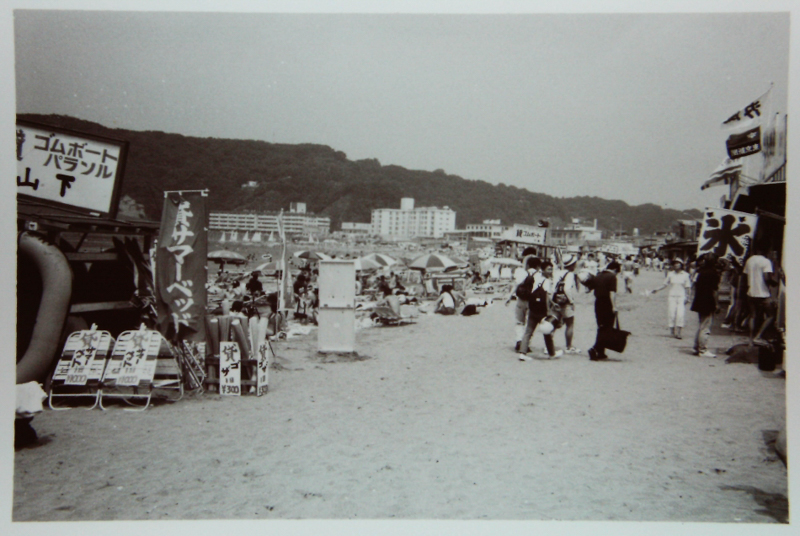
{"x":330,"y":184}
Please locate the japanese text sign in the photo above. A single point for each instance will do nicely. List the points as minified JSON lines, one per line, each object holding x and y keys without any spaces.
{"x":133,"y":361}
{"x":181,"y":262}
{"x":525,"y":234}
{"x":83,"y":358}
{"x":230,"y":369}
{"x":60,"y":167}
{"x":726,"y":233}
{"x":262,"y":375}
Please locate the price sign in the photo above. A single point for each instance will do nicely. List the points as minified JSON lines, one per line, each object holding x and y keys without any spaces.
{"x":134,"y":358}
{"x":83,"y":358}
{"x":230,"y":369}
{"x":262,"y":375}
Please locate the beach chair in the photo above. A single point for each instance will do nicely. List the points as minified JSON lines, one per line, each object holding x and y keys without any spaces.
{"x":142,"y":361}
{"x":79,"y":370}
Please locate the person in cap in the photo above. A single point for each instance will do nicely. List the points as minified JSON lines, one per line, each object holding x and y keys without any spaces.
{"x":678,"y":282}
{"x":564,"y":295}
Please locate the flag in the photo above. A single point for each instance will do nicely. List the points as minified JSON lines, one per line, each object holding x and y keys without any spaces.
{"x":726,"y":233}
{"x":181,"y":257}
{"x":285,"y":293}
{"x":751,"y":115}
{"x":725,"y":173}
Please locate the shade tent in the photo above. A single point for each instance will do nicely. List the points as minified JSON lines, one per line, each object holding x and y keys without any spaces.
{"x":224,"y":255}
{"x":267,"y":267}
{"x":433,"y":262}
{"x":365,"y":265}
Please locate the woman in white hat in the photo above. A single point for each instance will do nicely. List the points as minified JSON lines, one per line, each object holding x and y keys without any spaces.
{"x":678,"y":282}
{"x":565,"y":290}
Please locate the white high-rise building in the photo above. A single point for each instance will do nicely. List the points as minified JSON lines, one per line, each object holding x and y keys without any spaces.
{"x":408,"y":222}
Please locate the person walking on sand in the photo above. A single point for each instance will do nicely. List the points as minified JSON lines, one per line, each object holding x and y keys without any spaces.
{"x":530,"y":267}
{"x":678,"y":282}
{"x":564,"y":295}
{"x":705,"y":302}
{"x":539,"y":305}
{"x":605,"y":306}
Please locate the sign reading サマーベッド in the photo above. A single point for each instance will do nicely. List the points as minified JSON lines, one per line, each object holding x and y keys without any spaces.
{"x":60,"y":167}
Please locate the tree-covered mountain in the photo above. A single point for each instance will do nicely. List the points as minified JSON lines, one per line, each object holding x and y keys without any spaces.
{"x":332,"y":185}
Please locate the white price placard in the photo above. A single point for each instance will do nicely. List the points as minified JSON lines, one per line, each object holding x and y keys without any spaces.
{"x":230,"y":369}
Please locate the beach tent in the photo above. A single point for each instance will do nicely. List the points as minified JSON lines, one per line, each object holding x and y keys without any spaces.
{"x":366,"y":265}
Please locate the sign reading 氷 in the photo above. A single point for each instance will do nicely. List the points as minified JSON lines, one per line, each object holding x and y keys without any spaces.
{"x":60,"y":167}
{"x":525,"y":234}
{"x":726,"y":233}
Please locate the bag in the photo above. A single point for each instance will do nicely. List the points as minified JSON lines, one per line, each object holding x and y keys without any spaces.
{"x":613,"y":338}
{"x":560,"y":296}
{"x":469,"y":310}
{"x":525,"y":288}
{"x":537,"y":301}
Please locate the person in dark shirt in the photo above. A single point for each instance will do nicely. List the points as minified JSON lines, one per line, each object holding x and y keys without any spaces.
{"x":254,"y":286}
{"x":705,"y":302}
{"x":605,"y":308}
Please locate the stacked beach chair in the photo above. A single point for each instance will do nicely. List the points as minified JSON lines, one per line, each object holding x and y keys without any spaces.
{"x":89,"y":372}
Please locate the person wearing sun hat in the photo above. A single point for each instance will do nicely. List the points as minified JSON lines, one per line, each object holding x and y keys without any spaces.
{"x":678,"y":282}
{"x":564,"y":295}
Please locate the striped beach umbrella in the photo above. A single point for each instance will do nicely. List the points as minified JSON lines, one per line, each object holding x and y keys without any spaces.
{"x":432,"y":262}
{"x":312,"y":255}
{"x":382,"y":259}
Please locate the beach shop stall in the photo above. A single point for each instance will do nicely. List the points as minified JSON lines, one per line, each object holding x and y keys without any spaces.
{"x":81,"y":269}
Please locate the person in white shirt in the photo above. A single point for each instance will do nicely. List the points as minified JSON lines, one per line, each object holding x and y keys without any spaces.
{"x":566,"y":303}
{"x":758,"y":270}
{"x":678,"y":282}
{"x":591,"y":265}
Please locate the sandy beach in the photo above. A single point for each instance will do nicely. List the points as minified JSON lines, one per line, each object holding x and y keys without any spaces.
{"x":438,"y":420}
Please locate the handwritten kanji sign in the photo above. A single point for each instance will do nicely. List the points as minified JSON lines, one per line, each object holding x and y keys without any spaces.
{"x":230,"y":369}
{"x":726,"y":233}
{"x":66,"y":168}
{"x":84,"y":358}
{"x":133,"y":361}
{"x":262,"y":374}
{"x":525,"y":234}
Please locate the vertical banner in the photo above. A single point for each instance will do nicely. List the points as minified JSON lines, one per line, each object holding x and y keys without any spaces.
{"x":726,"y":233}
{"x":230,"y":369}
{"x":285,"y":293}
{"x":181,"y":261}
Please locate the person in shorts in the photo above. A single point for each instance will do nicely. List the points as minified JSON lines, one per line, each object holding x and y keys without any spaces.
{"x":759,"y":272}
{"x":530,"y":266}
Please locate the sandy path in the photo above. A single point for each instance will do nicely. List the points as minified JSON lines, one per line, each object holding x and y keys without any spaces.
{"x":440,"y":422}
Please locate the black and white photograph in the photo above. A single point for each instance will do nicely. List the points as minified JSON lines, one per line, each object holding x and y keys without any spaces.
{"x":314,"y":264}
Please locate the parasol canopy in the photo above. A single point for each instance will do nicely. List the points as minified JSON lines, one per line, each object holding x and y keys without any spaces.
{"x":267,"y":267}
{"x":381,"y":259}
{"x":224,"y":255}
{"x":312,"y":255}
{"x":365,"y":265}
{"x":433,"y":262}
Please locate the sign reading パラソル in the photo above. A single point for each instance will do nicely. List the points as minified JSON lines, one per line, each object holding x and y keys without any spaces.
{"x":60,"y":167}
{"x":525,"y":234}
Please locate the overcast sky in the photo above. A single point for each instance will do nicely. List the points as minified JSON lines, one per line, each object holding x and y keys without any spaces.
{"x":613,"y":105}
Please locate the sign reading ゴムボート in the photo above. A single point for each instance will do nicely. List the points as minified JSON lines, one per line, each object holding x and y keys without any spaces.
{"x":60,"y":167}
{"x":525,"y":234}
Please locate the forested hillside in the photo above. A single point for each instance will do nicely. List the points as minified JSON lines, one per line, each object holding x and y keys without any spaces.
{"x":330,"y":184}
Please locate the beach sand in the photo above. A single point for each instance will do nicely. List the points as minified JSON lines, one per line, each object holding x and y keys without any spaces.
{"x":438,"y":420}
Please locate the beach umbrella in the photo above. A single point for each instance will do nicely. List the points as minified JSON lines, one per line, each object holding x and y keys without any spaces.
{"x":366,"y":265}
{"x":224,"y":255}
{"x":504,"y":261}
{"x":380,"y":258}
{"x":433,"y":262}
{"x":312,"y":255}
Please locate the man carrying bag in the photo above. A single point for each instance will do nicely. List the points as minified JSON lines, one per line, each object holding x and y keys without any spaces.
{"x":609,"y":336}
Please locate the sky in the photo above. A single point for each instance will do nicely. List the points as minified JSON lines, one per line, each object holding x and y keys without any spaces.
{"x":620,"y":106}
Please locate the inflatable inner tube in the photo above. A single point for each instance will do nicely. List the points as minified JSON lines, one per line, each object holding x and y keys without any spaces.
{"x":55,"y":281}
